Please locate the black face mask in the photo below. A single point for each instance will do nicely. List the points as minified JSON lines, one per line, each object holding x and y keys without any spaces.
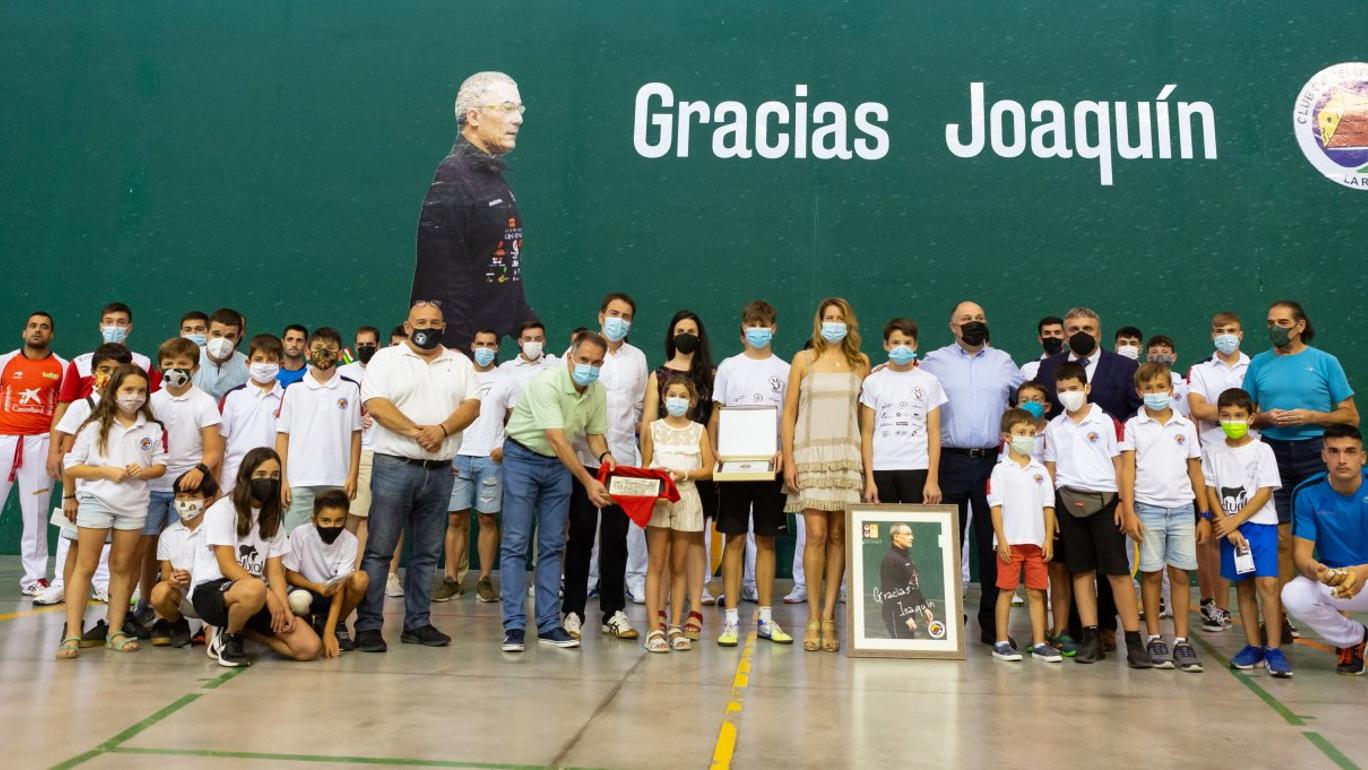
{"x":329,"y":535}
{"x":426,"y":339}
{"x":1082,"y":344}
{"x":364,"y":352}
{"x":974,"y":333}
{"x":265,"y":489}
{"x":686,"y":343}
{"x":1052,"y":345}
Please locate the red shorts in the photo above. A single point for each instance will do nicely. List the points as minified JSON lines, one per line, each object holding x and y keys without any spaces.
{"x":1028,"y":558}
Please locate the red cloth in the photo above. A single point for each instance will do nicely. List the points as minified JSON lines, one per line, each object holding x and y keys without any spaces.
{"x":638,"y":508}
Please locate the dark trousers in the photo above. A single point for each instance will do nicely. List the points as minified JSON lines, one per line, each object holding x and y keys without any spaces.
{"x":1297,"y":462}
{"x":964,"y":482}
{"x":612,"y":523}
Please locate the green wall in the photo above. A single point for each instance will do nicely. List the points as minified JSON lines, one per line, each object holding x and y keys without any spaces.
{"x":273,"y":156}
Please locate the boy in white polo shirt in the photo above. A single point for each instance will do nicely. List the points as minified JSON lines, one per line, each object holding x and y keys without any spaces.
{"x":320,"y":568}
{"x":193,"y":449}
{"x":1021,"y":502}
{"x":318,"y":434}
{"x":176,"y":552}
{"x":250,"y":409}
{"x":1083,"y":457}
{"x":1161,"y":477}
{"x":900,"y":423}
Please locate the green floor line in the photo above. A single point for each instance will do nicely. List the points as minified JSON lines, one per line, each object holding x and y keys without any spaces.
{"x":79,"y":759}
{"x":222,"y":678}
{"x":1330,"y":751}
{"x":400,"y":761}
{"x":1264,"y":695}
{"x":128,"y":734}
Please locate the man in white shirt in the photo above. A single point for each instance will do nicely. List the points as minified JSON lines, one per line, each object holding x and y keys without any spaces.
{"x":531,"y":359}
{"x":422,"y":396}
{"x":623,"y":377}
{"x":223,"y":367}
{"x":1050,"y":333}
{"x":367,"y":342}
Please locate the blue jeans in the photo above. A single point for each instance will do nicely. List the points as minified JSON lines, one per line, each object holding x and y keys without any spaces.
{"x":1170,"y":537}
{"x":159,"y":512}
{"x":404,"y":495}
{"x":1297,"y":462}
{"x":536,"y":490}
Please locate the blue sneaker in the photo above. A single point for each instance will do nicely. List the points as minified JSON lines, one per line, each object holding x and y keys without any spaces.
{"x":1046,"y":653}
{"x":513,"y":640}
{"x":1005,"y":651}
{"x":1249,"y":657}
{"x":557,"y":637}
{"x":1277,"y":663}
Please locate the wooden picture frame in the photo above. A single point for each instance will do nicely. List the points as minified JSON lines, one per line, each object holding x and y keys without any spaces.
{"x":924,"y":577}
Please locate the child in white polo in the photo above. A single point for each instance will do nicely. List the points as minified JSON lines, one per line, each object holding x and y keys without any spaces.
{"x":250,"y":409}
{"x":900,"y":423}
{"x":325,"y":585}
{"x":177,"y":548}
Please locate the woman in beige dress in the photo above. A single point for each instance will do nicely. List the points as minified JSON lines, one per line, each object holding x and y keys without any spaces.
{"x":822,"y":463}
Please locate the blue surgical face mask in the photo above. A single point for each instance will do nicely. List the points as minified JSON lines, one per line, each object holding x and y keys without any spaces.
{"x":759,"y":336}
{"x":902,"y":355}
{"x":484,"y":356}
{"x":198,"y":339}
{"x":615,"y":328}
{"x":676,"y":406}
{"x":114,"y":333}
{"x":1036,"y":408}
{"x":585,"y":374}
{"x":1158,"y":401}
{"x":833,"y":331}
{"x":1226,"y":343}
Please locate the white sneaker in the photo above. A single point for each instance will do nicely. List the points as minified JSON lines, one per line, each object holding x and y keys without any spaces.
{"x":53,"y":594}
{"x":749,"y":594}
{"x":572,"y":624}
{"x":618,"y":626}
{"x":212,"y":641}
{"x":31,"y":588}
{"x":1017,"y":601}
{"x":708,"y":599}
{"x":797,"y":596}
{"x":392,"y":585}
{"x":100,"y":593}
{"x":637,"y":595}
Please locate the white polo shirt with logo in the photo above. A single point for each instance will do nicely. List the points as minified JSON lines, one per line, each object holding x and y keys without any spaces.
{"x":181,"y":545}
{"x":1162,"y":452}
{"x":185,"y":417}
{"x":141,"y":443}
{"x":249,"y":422}
{"x":1082,"y":451}
{"x":425,"y":391}
{"x":1023,"y":492}
{"x":320,"y":418}
{"x":1210,"y":379}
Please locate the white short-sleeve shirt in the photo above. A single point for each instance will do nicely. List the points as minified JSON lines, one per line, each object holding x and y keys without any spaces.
{"x":251,"y":550}
{"x":487,"y":432}
{"x":1238,"y":473}
{"x":185,"y":417}
{"x":1082,"y":451}
{"x":141,"y":443}
{"x":356,"y":372}
{"x":316,"y":561}
{"x":181,"y":545}
{"x":520,"y":371}
{"x":1210,"y":379}
{"x":1162,"y":452}
{"x":901,"y":402}
{"x":320,"y":418}
{"x":624,"y":377}
{"x":249,"y":421}
{"x":425,"y":391}
{"x":1024,"y":492}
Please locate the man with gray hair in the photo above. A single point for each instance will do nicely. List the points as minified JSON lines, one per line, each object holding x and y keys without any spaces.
{"x":900,"y":598}
{"x":470,"y":233}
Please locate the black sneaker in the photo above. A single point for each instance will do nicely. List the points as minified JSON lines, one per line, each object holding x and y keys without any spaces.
{"x":1090,"y":649}
{"x":230,"y":652}
{"x":557,"y":637}
{"x":344,"y":640}
{"x":180,"y":633}
{"x":1211,"y":617}
{"x":513,"y":640}
{"x":95,"y":635}
{"x":145,"y":615}
{"x":426,"y":636}
{"x":1186,"y":658}
{"x":161,"y":633}
{"x":1136,"y":654}
{"x":134,"y":628}
{"x":370,"y":640}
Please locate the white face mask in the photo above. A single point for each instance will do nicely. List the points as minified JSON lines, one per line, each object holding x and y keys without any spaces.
{"x":1129,"y":351}
{"x":219,"y":348}
{"x":532,"y":350}
{"x":189,"y":509}
{"x":130,"y":403}
{"x":1073,"y":400}
{"x":263,"y":372}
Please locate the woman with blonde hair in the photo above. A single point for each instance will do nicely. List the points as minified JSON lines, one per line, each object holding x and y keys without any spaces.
{"x":822,"y":463}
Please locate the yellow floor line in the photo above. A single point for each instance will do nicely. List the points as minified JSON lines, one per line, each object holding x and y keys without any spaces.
{"x":725,"y":746}
{"x":30,"y":613}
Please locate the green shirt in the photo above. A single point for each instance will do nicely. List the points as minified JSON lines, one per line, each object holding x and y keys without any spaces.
{"x":551,"y":402}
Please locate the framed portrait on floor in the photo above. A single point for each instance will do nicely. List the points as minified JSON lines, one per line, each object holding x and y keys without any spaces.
{"x":903,"y":563}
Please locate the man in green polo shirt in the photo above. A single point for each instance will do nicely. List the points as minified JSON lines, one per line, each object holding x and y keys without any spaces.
{"x":559,"y":405}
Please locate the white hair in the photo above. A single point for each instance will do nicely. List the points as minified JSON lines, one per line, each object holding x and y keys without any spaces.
{"x":474,"y":92}
{"x":900,"y":527}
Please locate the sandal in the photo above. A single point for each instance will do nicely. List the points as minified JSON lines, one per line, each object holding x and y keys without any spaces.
{"x":655,"y":642}
{"x":678,"y":641}
{"x":69,"y":648}
{"x":127,"y":643}
{"x":830,"y":641}
{"x":693,"y":626}
{"x":810,"y":642}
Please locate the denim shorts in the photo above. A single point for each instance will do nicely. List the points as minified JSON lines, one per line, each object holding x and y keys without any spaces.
{"x":478,"y":484}
{"x":159,"y":506}
{"x":92,"y":513}
{"x":1170,"y":537}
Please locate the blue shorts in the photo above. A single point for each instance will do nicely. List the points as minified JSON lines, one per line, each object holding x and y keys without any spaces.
{"x":159,"y":512}
{"x":1263,"y":543}
{"x":1170,"y":537}
{"x":478,"y":484}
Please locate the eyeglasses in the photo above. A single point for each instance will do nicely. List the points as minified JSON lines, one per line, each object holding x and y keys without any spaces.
{"x":437,"y":303}
{"x":505,"y":107}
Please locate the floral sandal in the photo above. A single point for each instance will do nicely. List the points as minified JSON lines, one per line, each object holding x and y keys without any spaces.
{"x":678,"y":641}
{"x":693,"y":626}
{"x":121,"y":642}
{"x":810,"y":641}
{"x":655,"y":642}
{"x":69,"y":648}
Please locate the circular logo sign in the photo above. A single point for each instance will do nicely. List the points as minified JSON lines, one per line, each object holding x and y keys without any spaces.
{"x":1330,"y":120}
{"x":936,"y":629}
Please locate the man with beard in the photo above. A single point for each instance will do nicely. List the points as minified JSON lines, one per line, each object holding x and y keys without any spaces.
{"x":900,"y":587}
{"x":470,"y":234}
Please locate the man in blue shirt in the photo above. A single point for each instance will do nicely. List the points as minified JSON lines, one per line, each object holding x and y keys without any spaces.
{"x":1330,"y":548}
{"x":978,"y":381}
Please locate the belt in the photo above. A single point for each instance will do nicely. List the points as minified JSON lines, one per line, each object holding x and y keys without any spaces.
{"x":431,"y":465}
{"x":954,"y":450}
{"x":527,"y":448}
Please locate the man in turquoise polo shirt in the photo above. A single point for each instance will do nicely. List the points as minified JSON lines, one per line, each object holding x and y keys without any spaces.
{"x":559,"y":405}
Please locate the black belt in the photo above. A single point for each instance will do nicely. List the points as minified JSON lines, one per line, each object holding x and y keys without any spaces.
{"x":431,"y":465}
{"x":954,"y":450}
{"x":526,"y":448}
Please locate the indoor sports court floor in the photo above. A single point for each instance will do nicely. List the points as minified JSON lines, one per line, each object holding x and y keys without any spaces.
{"x":612,"y":705}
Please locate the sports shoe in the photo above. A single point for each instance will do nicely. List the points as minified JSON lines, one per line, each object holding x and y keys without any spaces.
{"x":1046,"y":653}
{"x":1159,"y":654}
{"x":100,"y":593}
{"x":161,"y":633}
{"x":618,"y":626}
{"x":1164,"y":610}
{"x":797,"y":596}
{"x":212,"y":641}
{"x":230,"y":653}
{"x":344,"y":640}
{"x":1136,"y":654}
{"x":637,"y":595}
{"x":33,"y":587}
{"x":1289,"y":630}
{"x":772,"y":632}
{"x":1227,"y":620}
{"x":1186,"y":658}
{"x":513,"y":640}
{"x":709,"y":600}
{"x":1064,"y":643}
{"x":145,"y":615}
{"x":180,"y":633}
{"x":1090,"y":649}
{"x":557,"y":637}
{"x":53,"y":594}
{"x":96,"y":635}
{"x":1275,"y":660}
{"x":1017,"y":601}
{"x":749,"y":594}
{"x":201,"y":636}
{"x":1248,"y":657}
{"x":370,"y":640}
{"x":428,"y":636}
{"x":392,"y":585}
{"x":573,"y":624}
{"x":134,"y":628}
{"x":728,"y":637}
{"x":1005,"y":651}
{"x":1211,"y":618}
{"x":485,"y":593}
{"x":447,"y":590}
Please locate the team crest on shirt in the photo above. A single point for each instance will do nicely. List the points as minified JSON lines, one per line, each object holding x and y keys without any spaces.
{"x":1093,"y":437}
{"x":1039,"y":479}
{"x":342,"y":403}
{"x":145,"y":444}
{"x":1180,"y":439}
